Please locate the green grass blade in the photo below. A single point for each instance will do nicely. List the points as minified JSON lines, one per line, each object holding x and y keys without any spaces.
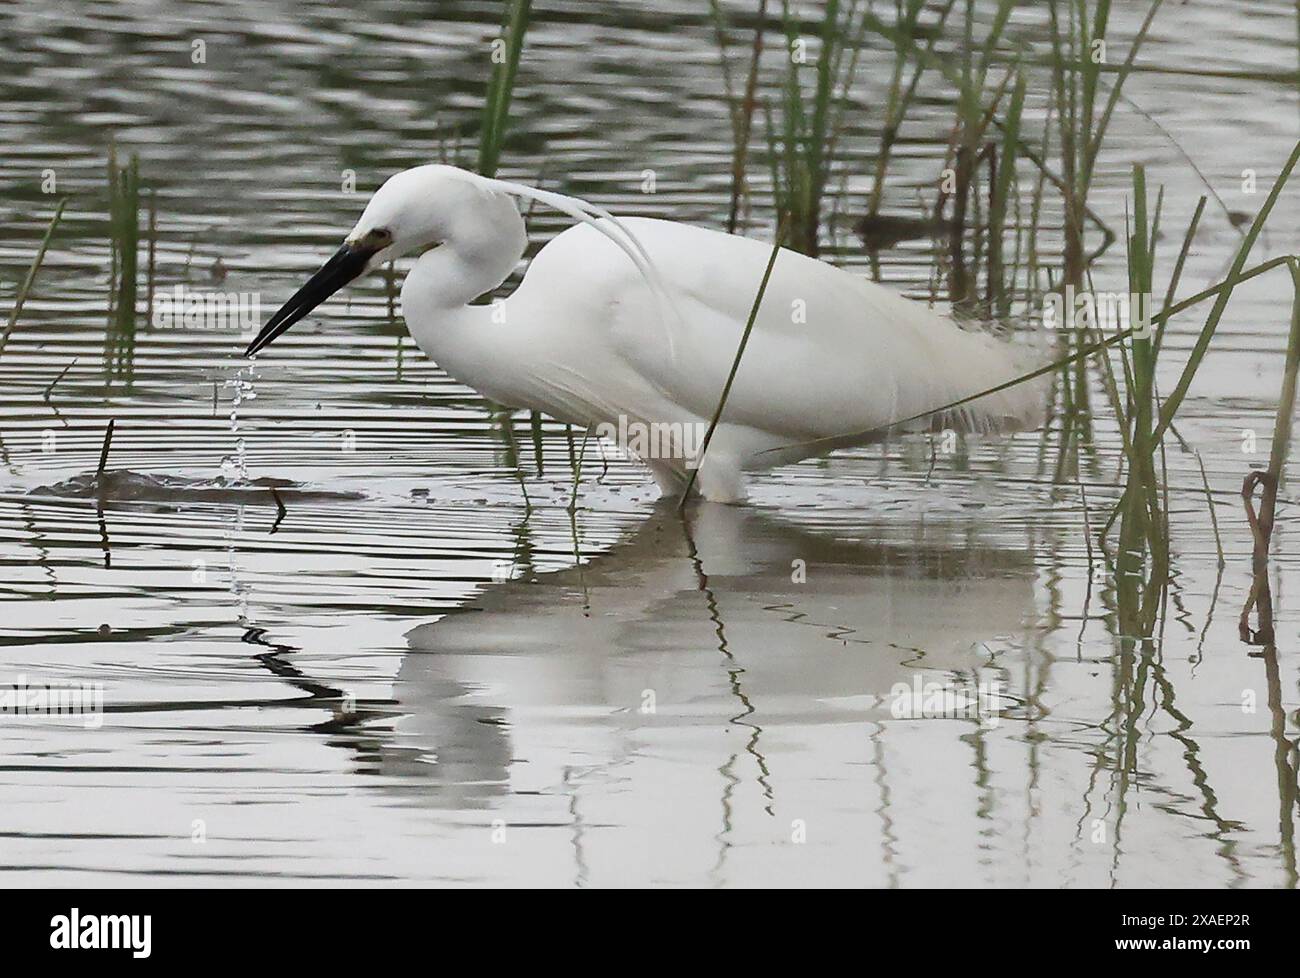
{"x":1234,"y":277}
{"x":26,"y":287}
{"x":496,"y":106}
{"x":735,"y":364}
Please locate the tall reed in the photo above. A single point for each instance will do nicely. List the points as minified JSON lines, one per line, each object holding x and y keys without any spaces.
{"x":740,"y":353}
{"x":501,"y":84}
{"x":740,"y":108}
{"x":124,"y":253}
{"x":506,"y":53}
{"x":801,"y":144}
{"x":1261,"y":524}
{"x":1143,"y":559}
{"x":1083,"y":110}
{"x":1080,"y":46}
{"x":26,"y":287}
{"x":901,"y":93}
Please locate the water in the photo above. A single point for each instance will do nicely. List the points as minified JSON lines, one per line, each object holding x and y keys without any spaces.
{"x":393,"y":669}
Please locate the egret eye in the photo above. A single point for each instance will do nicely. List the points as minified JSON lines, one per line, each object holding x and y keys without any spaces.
{"x":381,"y":235}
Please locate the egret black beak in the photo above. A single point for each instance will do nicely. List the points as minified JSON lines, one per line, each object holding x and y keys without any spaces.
{"x":348,"y":262}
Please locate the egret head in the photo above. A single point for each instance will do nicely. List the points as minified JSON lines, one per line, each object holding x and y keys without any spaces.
{"x":414,"y":210}
{"x":477,"y":217}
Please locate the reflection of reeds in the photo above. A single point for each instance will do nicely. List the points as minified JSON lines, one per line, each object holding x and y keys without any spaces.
{"x":992,"y":119}
{"x":26,"y":287}
{"x":124,"y":249}
{"x":1286,"y":759}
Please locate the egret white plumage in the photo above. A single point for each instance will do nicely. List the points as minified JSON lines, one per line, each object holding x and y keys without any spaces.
{"x":635,"y":323}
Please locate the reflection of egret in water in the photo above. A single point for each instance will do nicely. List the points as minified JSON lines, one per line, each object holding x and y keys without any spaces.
{"x":681,"y":667}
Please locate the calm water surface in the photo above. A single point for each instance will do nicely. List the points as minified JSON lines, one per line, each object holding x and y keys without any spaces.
{"x":411,"y":676}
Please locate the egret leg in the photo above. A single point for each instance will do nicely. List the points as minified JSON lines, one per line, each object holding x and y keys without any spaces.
{"x":671,"y":481}
{"x":721,"y":480}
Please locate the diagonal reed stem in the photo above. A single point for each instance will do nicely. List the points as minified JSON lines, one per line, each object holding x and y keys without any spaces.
{"x":25,"y":288}
{"x":1081,"y":353}
{"x":1170,"y":407}
{"x":735,"y":364}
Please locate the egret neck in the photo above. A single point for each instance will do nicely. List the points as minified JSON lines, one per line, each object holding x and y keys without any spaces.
{"x":480,"y":250}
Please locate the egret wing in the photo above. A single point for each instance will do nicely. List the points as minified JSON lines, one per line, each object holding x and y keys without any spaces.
{"x":830,"y":353}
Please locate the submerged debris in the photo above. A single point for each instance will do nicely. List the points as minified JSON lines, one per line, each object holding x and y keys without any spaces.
{"x":126,"y":486}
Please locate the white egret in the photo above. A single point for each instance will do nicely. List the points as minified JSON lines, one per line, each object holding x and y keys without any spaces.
{"x":634,"y":324}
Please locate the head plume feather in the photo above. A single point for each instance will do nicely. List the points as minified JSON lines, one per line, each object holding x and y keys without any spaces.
{"x":608,"y":225}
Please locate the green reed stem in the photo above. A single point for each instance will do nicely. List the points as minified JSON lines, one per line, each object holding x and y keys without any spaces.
{"x":802,"y":150}
{"x":1209,"y":502}
{"x":999,"y":288}
{"x":1234,"y":277}
{"x":1281,"y":446}
{"x":900,"y":98}
{"x":124,"y":245}
{"x":1177,"y":275}
{"x":496,"y":106}
{"x":735,"y":364}
{"x":26,"y":287}
{"x":741,"y":111}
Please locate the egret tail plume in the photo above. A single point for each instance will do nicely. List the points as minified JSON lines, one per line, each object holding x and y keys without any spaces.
{"x":1022,"y":412}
